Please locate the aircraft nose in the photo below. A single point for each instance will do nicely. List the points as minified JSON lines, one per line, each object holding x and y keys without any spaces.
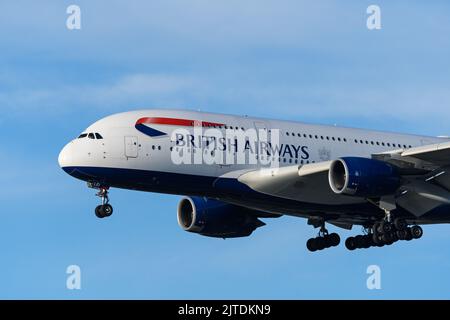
{"x":65,"y":156}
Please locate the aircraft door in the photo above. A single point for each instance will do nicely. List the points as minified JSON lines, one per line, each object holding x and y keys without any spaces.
{"x":131,"y":147}
{"x":262,"y":134}
{"x":260,"y":125}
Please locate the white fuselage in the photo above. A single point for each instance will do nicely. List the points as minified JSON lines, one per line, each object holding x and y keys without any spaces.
{"x":153,"y":153}
{"x":123,"y":146}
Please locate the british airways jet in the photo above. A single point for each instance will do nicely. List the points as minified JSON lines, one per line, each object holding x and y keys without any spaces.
{"x":236,"y":170}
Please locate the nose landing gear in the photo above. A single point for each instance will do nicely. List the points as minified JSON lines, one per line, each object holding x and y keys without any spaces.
{"x":105,"y":209}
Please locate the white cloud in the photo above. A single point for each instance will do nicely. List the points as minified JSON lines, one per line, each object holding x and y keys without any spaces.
{"x":130,"y":89}
{"x":225,"y":91}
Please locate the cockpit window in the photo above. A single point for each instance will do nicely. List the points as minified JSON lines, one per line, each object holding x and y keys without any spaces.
{"x":91,"y":135}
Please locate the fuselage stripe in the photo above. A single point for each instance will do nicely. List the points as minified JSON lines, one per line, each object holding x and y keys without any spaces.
{"x":176,"y":122}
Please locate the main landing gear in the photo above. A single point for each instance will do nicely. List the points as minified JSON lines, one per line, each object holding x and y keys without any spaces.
{"x":323,"y":240}
{"x":105,"y":209}
{"x":384,"y":233}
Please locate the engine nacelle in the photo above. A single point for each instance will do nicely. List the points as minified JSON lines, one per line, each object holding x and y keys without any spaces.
{"x":363,"y":177}
{"x":214,"y":218}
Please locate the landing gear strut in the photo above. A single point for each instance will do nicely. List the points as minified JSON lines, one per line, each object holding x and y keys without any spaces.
{"x":323,"y":240}
{"x":105,"y":209}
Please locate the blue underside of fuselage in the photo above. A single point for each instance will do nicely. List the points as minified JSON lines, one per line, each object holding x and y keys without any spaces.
{"x":226,"y":189}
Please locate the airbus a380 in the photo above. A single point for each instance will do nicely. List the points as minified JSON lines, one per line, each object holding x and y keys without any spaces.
{"x":236,"y":170}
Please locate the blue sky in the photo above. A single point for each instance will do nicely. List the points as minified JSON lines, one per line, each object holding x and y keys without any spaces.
{"x":311,"y":61}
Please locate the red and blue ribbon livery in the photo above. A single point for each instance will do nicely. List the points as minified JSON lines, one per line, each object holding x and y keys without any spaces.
{"x":143,"y":124}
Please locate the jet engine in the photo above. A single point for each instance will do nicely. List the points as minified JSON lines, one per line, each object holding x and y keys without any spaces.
{"x":363,"y":177}
{"x":214,"y":218}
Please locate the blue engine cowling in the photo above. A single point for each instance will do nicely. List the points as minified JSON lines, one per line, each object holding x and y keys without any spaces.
{"x":363,"y":177}
{"x":214,"y":218}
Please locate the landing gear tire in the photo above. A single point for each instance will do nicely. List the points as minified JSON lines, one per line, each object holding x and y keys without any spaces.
{"x":334,"y":239}
{"x":321,"y":243}
{"x":103,"y":211}
{"x":367,"y":243}
{"x":402,"y":234}
{"x":107,"y":210}
{"x":98,"y":212}
{"x":394,"y":236}
{"x":350,"y":243}
{"x":376,"y":238}
{"x":400,"y":224}
{"x":311,"y":244}
{"x":409,"y":236}
{"x":387,"y":238}
{"x":385,"y":227}
{"x":416,"y":232}
{"x":359,"y":241}
{"x":376,"y":227}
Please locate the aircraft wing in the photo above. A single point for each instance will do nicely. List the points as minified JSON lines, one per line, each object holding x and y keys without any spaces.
{"x":308,"y":183}
{"x":424,"y":192}
{"x":438,"y":154}
{"x":433,"y":159}
{"x":427,"y":156}
{"x":425,"y":171}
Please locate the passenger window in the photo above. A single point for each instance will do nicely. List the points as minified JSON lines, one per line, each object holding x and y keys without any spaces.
{"x":98,"y":136}
{"x":91,"y":136}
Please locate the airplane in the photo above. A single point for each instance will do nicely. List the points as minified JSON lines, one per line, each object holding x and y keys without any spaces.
{"x":387,"y":183}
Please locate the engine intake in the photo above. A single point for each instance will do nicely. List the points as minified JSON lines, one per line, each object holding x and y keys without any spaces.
{"x":363,"y":177}
{"x":214,"y":218}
